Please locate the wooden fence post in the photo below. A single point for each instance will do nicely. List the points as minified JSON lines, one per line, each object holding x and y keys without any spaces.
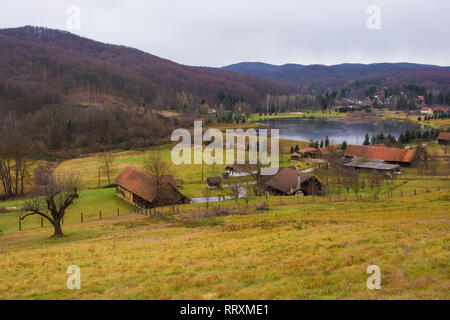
{"x":100,"y":214}
{"x":118,"y":212}
{"x":81,"y":217}
{"x":20,"y":225}
{"x":42,"y":222}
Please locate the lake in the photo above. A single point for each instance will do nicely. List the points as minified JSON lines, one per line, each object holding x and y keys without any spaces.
{"x":352,"y":131}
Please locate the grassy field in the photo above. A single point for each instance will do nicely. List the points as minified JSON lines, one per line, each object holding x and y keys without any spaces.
{"x":310,"y":250}
{"x":296,"y":248}
{"x":190,"y":174}
{"x":442,"y":124}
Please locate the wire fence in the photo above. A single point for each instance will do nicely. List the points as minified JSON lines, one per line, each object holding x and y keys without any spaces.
{"x":229,"y":207}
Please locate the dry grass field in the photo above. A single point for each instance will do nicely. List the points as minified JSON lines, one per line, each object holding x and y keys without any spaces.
{"x":310,"y":250}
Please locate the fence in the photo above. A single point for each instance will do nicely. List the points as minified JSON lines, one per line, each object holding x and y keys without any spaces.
{"x":239,"y":207}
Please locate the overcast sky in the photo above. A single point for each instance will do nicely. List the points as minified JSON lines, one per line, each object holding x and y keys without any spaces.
{"x":217,"y":33}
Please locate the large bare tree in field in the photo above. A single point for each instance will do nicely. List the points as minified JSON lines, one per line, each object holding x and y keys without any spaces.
{"x":159,"y":167}
{"x":52,"y":196}
{"x":16,"y":158}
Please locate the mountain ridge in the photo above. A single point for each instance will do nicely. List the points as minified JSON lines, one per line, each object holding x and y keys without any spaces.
{"x":301,"y":76}
{"x":59,"y":63}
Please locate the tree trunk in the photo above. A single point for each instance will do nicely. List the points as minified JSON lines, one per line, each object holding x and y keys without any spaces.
{"x":57,"y":227}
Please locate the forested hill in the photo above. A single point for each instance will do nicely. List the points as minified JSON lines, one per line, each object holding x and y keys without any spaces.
{"x":307,"y":77}
{"x":40,"y":66}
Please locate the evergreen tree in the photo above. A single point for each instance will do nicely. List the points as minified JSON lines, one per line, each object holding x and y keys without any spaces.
{"x":366,"y":140}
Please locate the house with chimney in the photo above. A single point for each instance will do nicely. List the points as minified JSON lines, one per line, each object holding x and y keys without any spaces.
{"x":290,"y":182}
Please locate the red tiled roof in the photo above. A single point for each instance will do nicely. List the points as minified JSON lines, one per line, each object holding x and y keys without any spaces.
{"x":308,"y":150}
{"x":444,"y":136}
{"x":295,"y":154}
{"x":143,"y":184}
{"x":381,"y":153}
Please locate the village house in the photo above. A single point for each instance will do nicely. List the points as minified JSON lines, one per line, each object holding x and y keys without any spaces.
{"x":402,"y":157}
{"x":139,"y":189}
{"x":288,"y":182}
{"x":214,"y":182}
{"x":444,"y":138}
{"x":324,"y":153}
{"x":427,"y":111}
{"x":295,"y":156}
{"x":308,"y":152}
{"x":240,"y":170}
{"x":441,"y":109}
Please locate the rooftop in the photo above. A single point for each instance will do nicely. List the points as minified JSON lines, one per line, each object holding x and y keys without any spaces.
{"x":372,"y":164}
{"x":381,"y":153}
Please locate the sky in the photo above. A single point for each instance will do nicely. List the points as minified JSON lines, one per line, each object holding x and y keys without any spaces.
{"x":221,"y":32}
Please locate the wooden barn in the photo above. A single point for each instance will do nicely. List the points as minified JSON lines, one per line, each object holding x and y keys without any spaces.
{"x":308,"y":152}
{"x":214,"y":182}
{"x":402,"y":157}
{"x":288,"y":182}
{"x":444,"y":138}
{"x":140,"y":189}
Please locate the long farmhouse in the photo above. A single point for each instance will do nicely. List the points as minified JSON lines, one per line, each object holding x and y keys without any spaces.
{"x":139,"y":189}
{"x":402,"y":157}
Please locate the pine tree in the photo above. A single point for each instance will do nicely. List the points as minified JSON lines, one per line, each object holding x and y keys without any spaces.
{"x":366,"y":140}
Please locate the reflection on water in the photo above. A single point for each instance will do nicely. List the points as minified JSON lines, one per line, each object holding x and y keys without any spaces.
{"x":338,"y":130}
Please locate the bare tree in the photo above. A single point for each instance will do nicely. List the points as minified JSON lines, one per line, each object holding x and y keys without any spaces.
{"x":159,"y":167}
{"x":375,"y":180}
{"x":249,"y":189}
{"x":207,"y":196}
{"x":356,"y":183}
{"x":433,"y":162}
{"x":106,"y":163}
{"x":51,"y":198}
{"x":235,"y":190}
{"x":347,"y":179}
{"x":16,"y":159}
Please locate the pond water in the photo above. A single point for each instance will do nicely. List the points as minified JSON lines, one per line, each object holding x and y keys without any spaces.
{"x":352,"y":131}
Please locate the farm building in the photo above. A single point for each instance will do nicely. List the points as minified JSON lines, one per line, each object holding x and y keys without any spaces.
{"x":403,"y":157}
{"x":240,"y":170}
{"x":288,"y":181}
{"x":324,"y":153}
{"x":308,"y":152}
{"x":139,"y":189}
{"x":295,"y":156}
{"x":427,"y":111}
{"x":444,"y":138}
{"x":215,"y":182}
{"x":372,"y":165}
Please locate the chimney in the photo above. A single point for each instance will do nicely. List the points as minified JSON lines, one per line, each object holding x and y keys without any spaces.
{"x":299,"y":181}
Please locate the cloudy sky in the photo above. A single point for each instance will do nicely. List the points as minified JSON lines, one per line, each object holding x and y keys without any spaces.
{"x":221,"y":32}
